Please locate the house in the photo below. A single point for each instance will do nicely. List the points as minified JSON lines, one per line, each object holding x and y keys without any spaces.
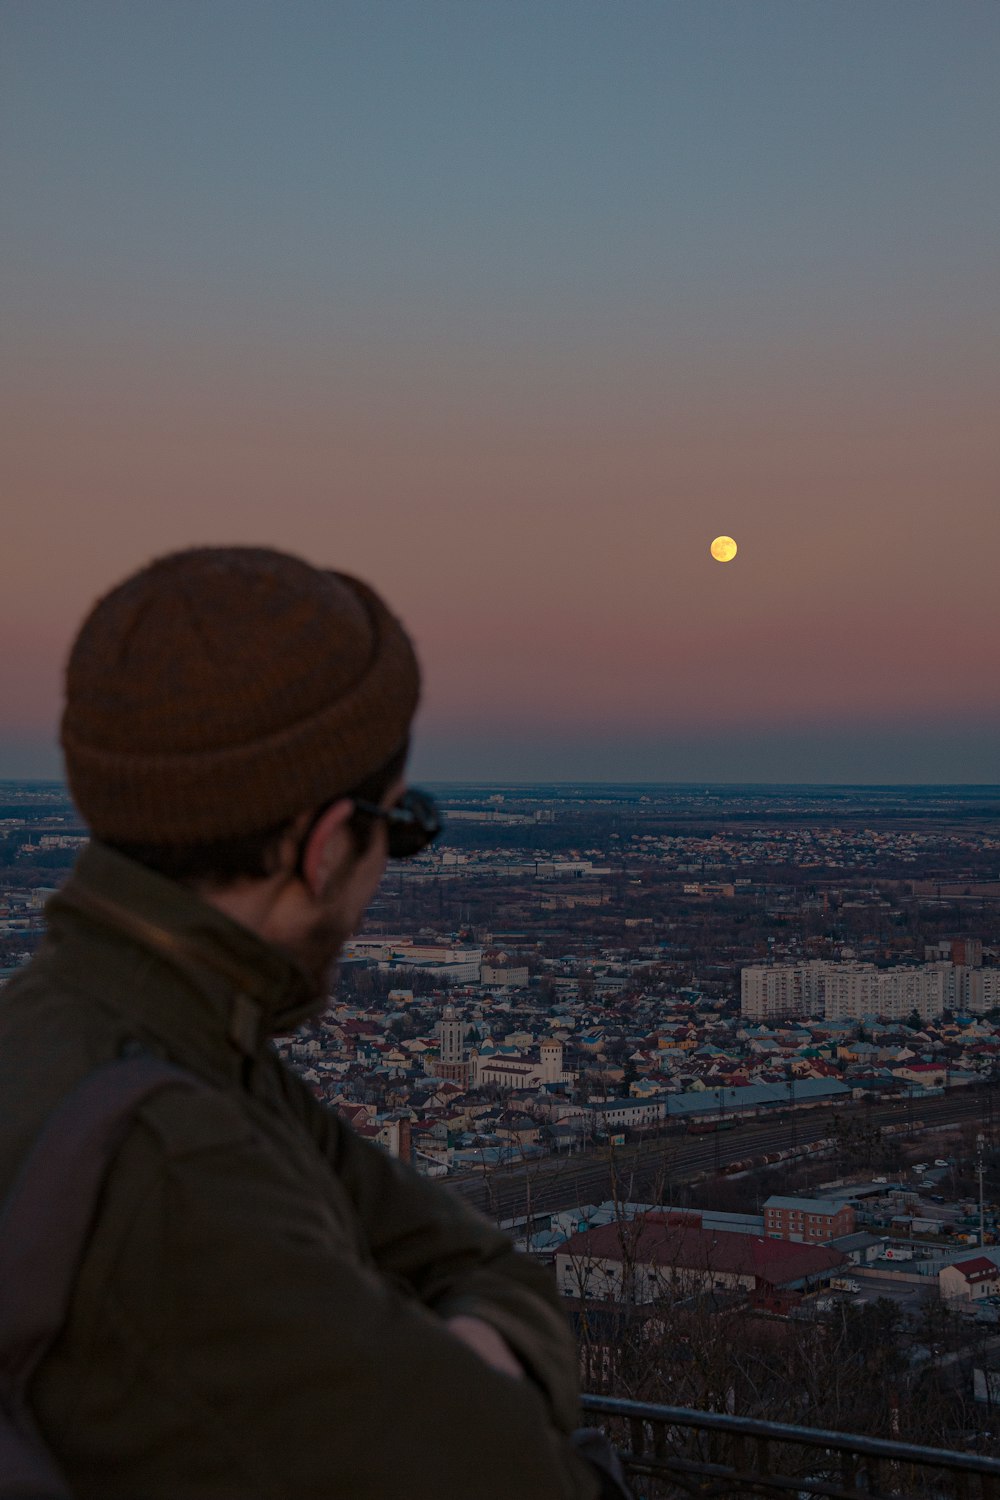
{"x":969,"y":1280}
{"x":513,"y":1126}
{"x":927,"y":1075}
{"x":356,"y":1115}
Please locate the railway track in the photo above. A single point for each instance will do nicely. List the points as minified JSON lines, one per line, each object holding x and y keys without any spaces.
{"x":653,"y":1166}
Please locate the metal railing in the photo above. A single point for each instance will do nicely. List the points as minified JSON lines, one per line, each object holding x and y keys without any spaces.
{"x":674,"y":1451}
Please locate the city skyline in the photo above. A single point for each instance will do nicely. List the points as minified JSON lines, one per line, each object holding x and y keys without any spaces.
{"x":512,"y":312}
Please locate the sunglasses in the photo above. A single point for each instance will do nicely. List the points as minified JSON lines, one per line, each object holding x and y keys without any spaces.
{"x":413,"y":822}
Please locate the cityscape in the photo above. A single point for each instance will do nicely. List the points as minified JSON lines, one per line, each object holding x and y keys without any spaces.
{"x":722,"y":1057}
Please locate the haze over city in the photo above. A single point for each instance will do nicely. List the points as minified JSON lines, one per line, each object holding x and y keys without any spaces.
{"x":512,"y":310}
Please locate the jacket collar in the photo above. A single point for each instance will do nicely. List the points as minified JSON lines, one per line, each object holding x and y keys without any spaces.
{"x":253,"y":989}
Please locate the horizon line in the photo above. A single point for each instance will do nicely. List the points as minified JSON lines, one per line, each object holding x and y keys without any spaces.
{"x":980,"y":786}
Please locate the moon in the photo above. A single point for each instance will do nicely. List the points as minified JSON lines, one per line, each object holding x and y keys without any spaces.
{"x":723,"y":549}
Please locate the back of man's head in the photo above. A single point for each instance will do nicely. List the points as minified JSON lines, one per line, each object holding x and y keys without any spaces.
{"x":222,"y":691}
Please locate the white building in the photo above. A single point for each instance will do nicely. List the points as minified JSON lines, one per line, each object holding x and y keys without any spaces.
{"x":770,"y":991}
{"x":980,"y":990}
{"x":454,"y":965}
{"x":970,"y":1280}
{"x":627,"y":1114}
{"x":519,"y":1072}
{"x":851,"y":991}
{"x":508,"y":976}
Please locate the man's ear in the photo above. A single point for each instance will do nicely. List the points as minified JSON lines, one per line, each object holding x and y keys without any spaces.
{"x":327,"y":844}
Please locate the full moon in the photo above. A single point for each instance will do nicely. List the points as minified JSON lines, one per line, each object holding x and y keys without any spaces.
{"x":723,"y":549}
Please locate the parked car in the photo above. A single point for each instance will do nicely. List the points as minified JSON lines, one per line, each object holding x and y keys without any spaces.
{"x":941,"y":1161}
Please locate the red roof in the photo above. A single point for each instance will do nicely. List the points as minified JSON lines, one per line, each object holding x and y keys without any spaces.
{"x":978,"y":1269}
{"x":355,"y":1114}
{"x":656,"y":1241}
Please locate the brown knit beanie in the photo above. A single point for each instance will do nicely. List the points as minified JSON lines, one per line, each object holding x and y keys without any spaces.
{"x":224,"y":689}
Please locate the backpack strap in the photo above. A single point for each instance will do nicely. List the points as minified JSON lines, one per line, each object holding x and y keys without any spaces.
{"x":49,"y":1211}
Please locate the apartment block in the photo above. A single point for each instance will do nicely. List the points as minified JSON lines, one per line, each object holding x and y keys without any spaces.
{"x":852,"y":991}
{"x":770,"y":991}
{"x":811,"y":1221}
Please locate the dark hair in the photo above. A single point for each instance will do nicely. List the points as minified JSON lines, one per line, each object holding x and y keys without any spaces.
{"x":253,"y":856}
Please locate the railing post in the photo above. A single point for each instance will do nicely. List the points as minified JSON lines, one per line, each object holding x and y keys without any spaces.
{"x":763,"y":1456}
{"x":739,"y":1451}
{"x":848,"y":1471}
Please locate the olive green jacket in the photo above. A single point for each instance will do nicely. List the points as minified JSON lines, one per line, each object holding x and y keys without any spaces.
{"x":259,"y":1311}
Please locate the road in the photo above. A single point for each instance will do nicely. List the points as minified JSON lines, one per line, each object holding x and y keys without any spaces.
{"x":964,"y":1357}
{"x":650,"y":1168}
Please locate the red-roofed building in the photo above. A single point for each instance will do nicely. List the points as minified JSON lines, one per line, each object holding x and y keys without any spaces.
{"x":357,"y":1115}
{"x":928,"y":1075}
{"x":970,"y":1280}
{"x":656,"y":1256}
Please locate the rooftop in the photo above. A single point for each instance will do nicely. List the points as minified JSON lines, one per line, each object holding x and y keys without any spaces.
{"x":804,"y":1205}
{"x":661,"y":1242}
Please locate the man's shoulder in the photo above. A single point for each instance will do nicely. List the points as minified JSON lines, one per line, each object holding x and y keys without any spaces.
{"x":50,"y":1039}
{"x":55,"y":1029}
{"x":53,"y":1017}
{"x":56,"y":979}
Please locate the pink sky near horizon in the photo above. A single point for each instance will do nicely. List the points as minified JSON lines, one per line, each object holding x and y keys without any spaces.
{"x":548,"y":548}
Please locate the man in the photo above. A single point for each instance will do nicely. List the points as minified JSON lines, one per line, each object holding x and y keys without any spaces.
{"x":268,"y":1306}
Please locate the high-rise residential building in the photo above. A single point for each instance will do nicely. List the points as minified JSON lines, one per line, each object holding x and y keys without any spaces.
{"x":980,"y":991}
{"x":967,"y":951}
{"x":852,"y":991}
{"x":771,"y":991}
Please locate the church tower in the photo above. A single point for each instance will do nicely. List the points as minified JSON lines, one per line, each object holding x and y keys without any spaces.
{"x":453,"y":1063}
{"x":552,"y":1060}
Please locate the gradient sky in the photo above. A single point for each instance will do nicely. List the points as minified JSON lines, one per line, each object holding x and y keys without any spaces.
{"x":511,"y":307}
